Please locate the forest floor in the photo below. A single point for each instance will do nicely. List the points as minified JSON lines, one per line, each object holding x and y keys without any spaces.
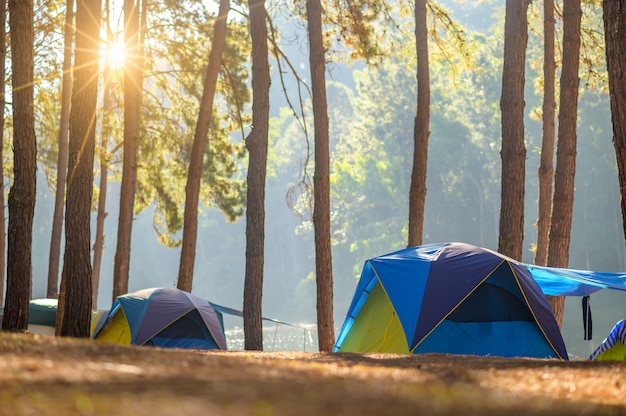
{"x":43,"y":375}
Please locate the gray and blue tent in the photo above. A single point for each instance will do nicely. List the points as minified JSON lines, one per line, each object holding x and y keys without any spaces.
{"x":162,"y":317}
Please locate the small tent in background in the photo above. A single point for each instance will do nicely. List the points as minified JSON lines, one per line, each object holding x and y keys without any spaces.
{"x":162,"y":317}
{"x":42,"y":315}
{"x":613,"y":348}
{"x":449,"y":298}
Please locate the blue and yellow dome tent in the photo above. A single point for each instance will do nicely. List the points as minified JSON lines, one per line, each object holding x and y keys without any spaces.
{"x":162,"y":317}
{"x":449,"y":298}
{"x":458,"y":298}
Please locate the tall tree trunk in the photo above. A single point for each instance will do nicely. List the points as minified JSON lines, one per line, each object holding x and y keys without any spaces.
{"x":511,"y":231}
{"x":22,"y":193}
{"x":563,"y":203}
{"x":76,"y":276}
{"x":615,"y":38}
{"x":3,"y":62}
{"x":59,"y":195}
{"x":198,"y":150}
{"x":417,"y":193}
{"x":98,"y":245}
{"x":132,"y":92}
{"x":321,"y":180}
{"x":256,"y":143}
{"x":546,"y":165}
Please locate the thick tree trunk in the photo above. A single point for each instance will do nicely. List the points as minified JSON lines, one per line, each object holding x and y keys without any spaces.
{"x":511,"y":231}
{"x":321,"y":181}
{"x":417,"y":193}
{"x":132,"y":92}
{"x":615,"y":35}
{"x":563,"y":202}
{"x":59,"y":194}
{"x":256,"y":143}
{"x":77,"y":272}
{"x":546,"y":165}
{"x":22,"y":193}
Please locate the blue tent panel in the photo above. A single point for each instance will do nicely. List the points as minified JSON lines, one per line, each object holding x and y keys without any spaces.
{"x":498,"y":338}
{"x":189,"y":331}
{"x":403,"y":276}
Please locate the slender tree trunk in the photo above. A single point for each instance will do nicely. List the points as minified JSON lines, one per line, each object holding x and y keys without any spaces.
{"x":77,"y":272}
{"x":198,"y":150}
{"x":321,"y":180}
{"x":256,"y":143}
{"x":59,"y":195}
{"x":615,"y":34}
{"x":546,"y":165}
{"x":132,"y":92}
{"x":563,"y":203}
{"x":511,"y":231}
{"x":417,"y":193}
{"x":22,"y":193}
{"x":3,"y":62}
{"x":98,"y":245}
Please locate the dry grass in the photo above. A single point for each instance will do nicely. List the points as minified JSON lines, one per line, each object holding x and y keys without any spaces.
{"x":57,"y":376}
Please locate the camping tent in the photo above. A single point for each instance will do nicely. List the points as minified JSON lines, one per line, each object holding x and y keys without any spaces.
{"x":449,"y":298}
{"x":162,"y":317}
{"x":42,"y":315}
{"x":613,"y":348}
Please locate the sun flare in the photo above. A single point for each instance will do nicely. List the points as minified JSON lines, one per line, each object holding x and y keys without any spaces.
{"x":115,"y":54}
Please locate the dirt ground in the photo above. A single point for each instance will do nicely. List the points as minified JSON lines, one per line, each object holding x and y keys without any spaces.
{"x":42,"y":375}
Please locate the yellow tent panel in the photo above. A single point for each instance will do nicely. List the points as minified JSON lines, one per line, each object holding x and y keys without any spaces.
{"x":616,"y":353}
{"x":376,"y":313}
{"x":117,"y":330}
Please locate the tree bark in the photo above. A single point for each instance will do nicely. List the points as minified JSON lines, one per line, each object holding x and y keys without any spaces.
{"x":59,"y":194}
{"x":77,"y":272}
{"x":22,"y":193}
{"x":513,"y":154}
{"x":417,"y":193}
{"x":615,"y":38}
{"x":194,"y":176}
{"x":3,"y":62}
{"x":563,"y":202}
{"x":546,"y":165}
{"x":132,"y":91}
{"x":256,"y":143}
{"x":321,"y":180}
